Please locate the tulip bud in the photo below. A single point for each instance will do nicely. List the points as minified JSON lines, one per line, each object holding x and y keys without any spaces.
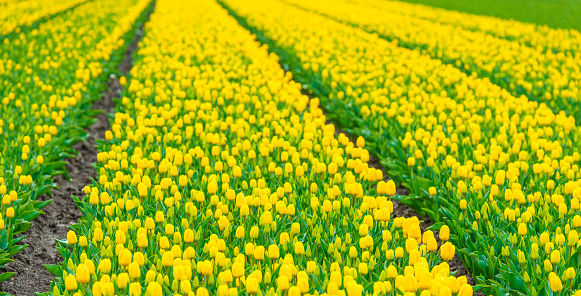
{"x":432,"y":191}
{"x":555,"y":283}
{"x":295,"y":228}
{"x":570,"y":272}
{"x":521,"y":257}
{"x":360,"y":142}
{"x":122,"y":280}
{"x":240,"y":233}
{"x":71,"y":237}
{"x":150,"y":276}
{"x":390,"y":254}
{"x":70,"y":283}
{"x":251,"y":285}
{"x":238,"y":269}
{"x":463,"y":204}
{"x":399,"y":252}
{"x":391,"y":272}
{"x":10,"y":212}
{"x":432,"y":244}
{"x":237,"y":172}
{"x":303,"y":284}
{"x":282,"y":283}
{"x":134,"y":270}
{"x":135,"y":289}
{"x":466,"y":290}
{"x":447,"y":251}
{"x":363,"y":268}
{"x":259,"y":253}
{"x":155,"y":289}
{"x":83,"y":241}
{"x":254,"y":232}
{"x":547,"y":265}
{"x":105,"y":266}
{"x":207,"y":268}
{"x":522,"y":229}
{"x":363,"y":230}
{"x":544,"y":238}
{"x":185,"y":287}
{"x":125,"y":257}
{"x":572,"y":238}
{"x":444,"y":233}
{"x":167,"y":259}
{"x":299,"y":248}
{"x":82,"y":274}
{"x":415,"y":232}
{"x":534,"y":251}
{"x":391,"y":189}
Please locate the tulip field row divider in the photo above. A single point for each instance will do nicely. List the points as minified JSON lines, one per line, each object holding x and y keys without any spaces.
{"x":497,"y":81}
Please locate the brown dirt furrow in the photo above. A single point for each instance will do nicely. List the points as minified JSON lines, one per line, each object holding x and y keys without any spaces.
{"x":31,"y":276}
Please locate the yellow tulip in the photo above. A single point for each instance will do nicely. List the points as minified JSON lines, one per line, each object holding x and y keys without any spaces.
{"x":447,"y":251}
{"x":466,"y":290}
{"x":82,"y":274}
{"x":251,"y":285}
{"x":125,"y":257}
{"x":134,"y":270}
{"x":444,"y":233}
{"x":555,"y":283}
{"x":71,"y":238}
{"x":71,"y":283}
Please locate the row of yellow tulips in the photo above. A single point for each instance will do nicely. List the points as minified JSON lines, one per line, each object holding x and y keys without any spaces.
{"x":50,"y":76}
{"x":504,"y":171}
{"x":540,"y":37}
{"x":17,"y":14}
{"x":539,"y":73}
{"x":219,"y":177}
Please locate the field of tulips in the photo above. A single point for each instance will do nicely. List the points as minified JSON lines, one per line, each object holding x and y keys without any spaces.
{"x":544,"y":65}
{"x":502,"y":171}
{"x":219,"y":177}
{"x":222,"y":175}
{"x":50,"y":79}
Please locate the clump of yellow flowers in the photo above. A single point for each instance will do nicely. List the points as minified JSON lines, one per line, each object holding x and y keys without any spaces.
{"x":16,"y":15}
{"x":544,"y":66}
{"x":536,"y":36}
{"x":49,"y":79}
{"x":501,"y":171}
{"x":218,"y":177}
